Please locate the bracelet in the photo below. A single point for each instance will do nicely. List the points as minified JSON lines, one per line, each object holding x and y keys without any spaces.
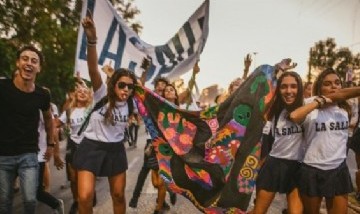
{"x":92,"y":41}
{"x":50,"y":144}
{"x":91,"y":44}
{"x":321,"y":101}
{"x":318,"y":102}
{"x":323,"y":98}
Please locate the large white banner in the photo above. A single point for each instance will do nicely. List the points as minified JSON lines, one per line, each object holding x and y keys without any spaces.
{"x":119,"y":44}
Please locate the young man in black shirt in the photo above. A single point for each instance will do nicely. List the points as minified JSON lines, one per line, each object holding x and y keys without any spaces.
{"x":21,"y":101}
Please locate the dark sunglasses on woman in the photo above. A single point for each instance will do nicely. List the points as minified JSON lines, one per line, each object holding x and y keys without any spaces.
{"x":122,"y":85}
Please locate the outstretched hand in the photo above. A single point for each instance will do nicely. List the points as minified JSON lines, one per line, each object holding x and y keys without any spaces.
{"x":284,"y":66}
{"x":247,"y":61}
{"x":89,"y":27}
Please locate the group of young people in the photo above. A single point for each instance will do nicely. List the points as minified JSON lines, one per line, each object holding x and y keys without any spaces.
{"x":306,"y":138}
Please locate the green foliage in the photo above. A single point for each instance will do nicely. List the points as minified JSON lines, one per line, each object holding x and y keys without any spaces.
{"x":128,"y":12}
{"x":325,"y":54}
{"x":50,"y":25}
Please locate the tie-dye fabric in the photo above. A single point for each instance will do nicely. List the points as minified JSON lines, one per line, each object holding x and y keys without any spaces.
{"x":211,"y":157}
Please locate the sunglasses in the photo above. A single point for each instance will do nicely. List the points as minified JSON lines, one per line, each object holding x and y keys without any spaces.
{"x":122,"y":85}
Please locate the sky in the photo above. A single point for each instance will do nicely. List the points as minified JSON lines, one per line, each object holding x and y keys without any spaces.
{"x":268,"y":29}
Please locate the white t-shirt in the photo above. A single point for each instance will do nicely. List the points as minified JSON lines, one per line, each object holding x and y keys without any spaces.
{"x":288,"y":139}
{"x":98,"y":130}
{"x":42,"y":143}
{"x":326,"y":135}
{"x":42,"y":139}
{"x":54,"y":110}
{"x":77,"y":117}
{"x":42,"y":133}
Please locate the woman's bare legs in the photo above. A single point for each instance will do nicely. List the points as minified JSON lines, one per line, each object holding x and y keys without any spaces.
{"x":117,"y":185}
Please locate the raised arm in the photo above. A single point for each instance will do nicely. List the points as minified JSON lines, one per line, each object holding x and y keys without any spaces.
{"x":344,"y":94}
{"x":92,"y":58}
{"x":247,"y":64}
{"x":185,"y":97}
{"x":298,"y":115}
{"x":144,"y":65}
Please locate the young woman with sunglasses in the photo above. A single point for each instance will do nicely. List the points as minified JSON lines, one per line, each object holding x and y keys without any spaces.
{"x":323,"y":172}
{"x":102,"y":152}
{"x":278,"y":173}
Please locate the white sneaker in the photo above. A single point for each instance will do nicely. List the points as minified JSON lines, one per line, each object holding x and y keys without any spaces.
{"x":60,"y":209}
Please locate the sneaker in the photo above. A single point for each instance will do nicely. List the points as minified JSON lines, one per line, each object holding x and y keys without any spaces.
{"x":133,"y":202}
{"x":172,"y":198}
{"x":74,"y":208}
{"x":60,"y":209}
{"x":166,"y":206}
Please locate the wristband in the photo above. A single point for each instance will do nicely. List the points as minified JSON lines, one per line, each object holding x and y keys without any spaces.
{"x":318,"y":102}
{"x":321,"y":101}
{"x":93,"y":41}
{"x":91,"y":44}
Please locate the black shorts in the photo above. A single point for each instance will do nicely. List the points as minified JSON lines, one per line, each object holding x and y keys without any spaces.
{"x":102,"y":159}
{"x":354,"y":145}
{"x":278,"y":175}
{"x":315,"y":182}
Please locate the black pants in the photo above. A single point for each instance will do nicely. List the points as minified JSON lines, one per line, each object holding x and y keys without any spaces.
{"x":141,"y":179}
{"x":42,"y":195}
{"x":133,"y":132}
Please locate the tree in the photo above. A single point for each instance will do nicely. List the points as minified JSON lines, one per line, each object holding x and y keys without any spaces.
{"x":325,"y":54}
{"x":128,"y":12}
{"x":50,"y":25}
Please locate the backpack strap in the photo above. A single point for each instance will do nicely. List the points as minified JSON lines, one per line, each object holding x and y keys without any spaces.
{"x":97,"y":106}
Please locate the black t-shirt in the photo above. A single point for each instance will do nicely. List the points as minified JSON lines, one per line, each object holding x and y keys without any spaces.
{"x":19,"y":118}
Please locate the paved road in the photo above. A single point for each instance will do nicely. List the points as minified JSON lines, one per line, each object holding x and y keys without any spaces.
{"x":147,"y":200}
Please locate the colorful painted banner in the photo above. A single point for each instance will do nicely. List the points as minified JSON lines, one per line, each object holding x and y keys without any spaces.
{"x":211,"y":157}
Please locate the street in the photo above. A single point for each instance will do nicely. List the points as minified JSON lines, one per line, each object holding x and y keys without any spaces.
{"x":148,"y":197}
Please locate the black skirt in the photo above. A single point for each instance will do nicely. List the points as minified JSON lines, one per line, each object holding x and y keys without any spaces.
{"x":354,"y":144}
{"x":102,"y":159}
{"x":71,"y":148}
{"x":278,"y":175}
{"x":315,"y":182}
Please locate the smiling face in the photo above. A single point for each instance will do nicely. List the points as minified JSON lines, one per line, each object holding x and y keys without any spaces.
{"x":124,"y":88}
{"x":28,"y":65}
{"x":288,"y":90}
{"x":330,"y":84}
{"x":82,"y":95}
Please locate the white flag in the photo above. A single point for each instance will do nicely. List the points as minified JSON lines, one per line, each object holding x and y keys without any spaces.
{"x":121,"y":45}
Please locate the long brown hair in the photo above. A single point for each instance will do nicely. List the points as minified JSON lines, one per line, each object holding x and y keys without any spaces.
{"x":176,"y":102}
{"x":316,"y":90}
{"x":278,"y":104}
{"x":111,"y":95}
